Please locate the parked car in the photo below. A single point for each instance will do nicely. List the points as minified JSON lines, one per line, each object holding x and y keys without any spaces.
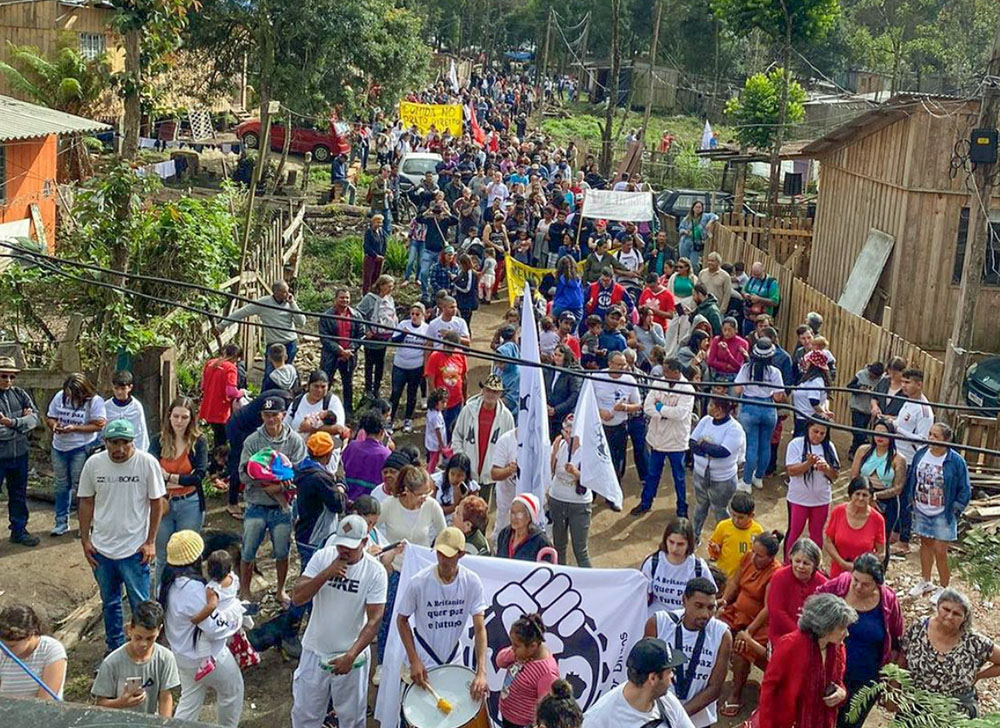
{"x":678,"y":202}
{"x":982,"y":384}
{"x":324,"y":144}
{"x":414,"y":165}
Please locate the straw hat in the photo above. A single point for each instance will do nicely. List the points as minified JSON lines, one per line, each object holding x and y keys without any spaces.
{"x":184,"y":547}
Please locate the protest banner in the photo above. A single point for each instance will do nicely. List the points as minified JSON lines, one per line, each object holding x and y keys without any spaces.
{"x":625,"y":206}
{"x":442,"y":116}
{"x":518,"y":273}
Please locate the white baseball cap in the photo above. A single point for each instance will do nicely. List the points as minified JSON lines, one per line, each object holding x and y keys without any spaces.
{"x":351,"y":531}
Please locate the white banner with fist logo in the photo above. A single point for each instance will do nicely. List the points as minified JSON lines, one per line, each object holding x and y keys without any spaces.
{"x":592,"y":618}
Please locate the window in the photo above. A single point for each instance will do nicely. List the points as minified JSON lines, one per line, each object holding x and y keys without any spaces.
{"x":92,"y":45}
{"x":3,"y":174}
{"x":991,"y":267}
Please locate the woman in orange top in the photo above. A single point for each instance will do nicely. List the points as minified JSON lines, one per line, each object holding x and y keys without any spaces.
{"x":183,"y":454}
{"x":745,"y":611}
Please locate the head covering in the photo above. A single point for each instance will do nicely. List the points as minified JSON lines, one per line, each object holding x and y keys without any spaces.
{"x":529,"y":501}
{"x":184,"y":547}
{"x":7,"y":364}
{"x":449,"y":542}
{"x":119,"y":430}
{"x":817,"y":359}
{"x":320,"y":444}
{"x":653,"y":655}
{"x":494,"y":382}
{"x":396,"y":461}
{"x":351,"y":531}
{"x":507,"y":332}
{"x":763,"y":349}
{"x":273,"y":404}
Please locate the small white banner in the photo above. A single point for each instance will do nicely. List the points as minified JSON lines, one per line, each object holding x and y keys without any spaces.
{"x":626,"y":206}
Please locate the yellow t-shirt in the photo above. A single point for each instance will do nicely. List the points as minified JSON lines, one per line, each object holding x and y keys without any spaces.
{"x":732,"y":544}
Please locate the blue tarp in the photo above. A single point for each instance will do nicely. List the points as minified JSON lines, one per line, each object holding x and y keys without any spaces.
{"x":519,"y":55}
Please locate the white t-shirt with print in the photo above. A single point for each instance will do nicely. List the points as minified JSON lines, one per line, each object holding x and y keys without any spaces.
{"x":667,"y":629}
{"x":409,"y":355}
{"x":813,"y":389}
{"x":613,"y":711}
{"x":307,"y":409}
{"x":121,"y":493}
{"x":439,"y":613}
{"x":65,"y":414}
{"x":915,"y":419}
{"x":928,"y":496}
{"x":815,"y":491}
{"x":438,"y":326}
{"x":504,"y":453}
{"x":667,"y":586}
{"x":731,"y":436}
{"x":609,"y":390}
{"x":338,"y":607}
{"x":563,"y":486}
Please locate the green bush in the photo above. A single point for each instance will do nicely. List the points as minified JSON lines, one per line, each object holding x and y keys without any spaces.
{"x":337,"y":259}
{"x":395,"y":256}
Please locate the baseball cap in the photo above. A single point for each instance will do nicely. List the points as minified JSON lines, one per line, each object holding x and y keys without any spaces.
{"x":568,"y":316}
{"x":273,"y":404}
{"x":653,"y":655}
{"x":119,"y":430}
{"x":449,"y":542}
{"x":351,"y":531}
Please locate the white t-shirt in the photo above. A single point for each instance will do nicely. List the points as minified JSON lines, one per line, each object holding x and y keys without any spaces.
{"x":915,"y":418}
{"x":15,"y":682}
{"x":729,"y":435}
{"x":408,"y":354}
{"x":816,"y":491}
{"x":772,"y":375}
{"x":438,"y":326}
{"x":608,"y":391}
{"x":134,"y":413}
{"x":632,"y":261}
{"x":504,"y":453}
{"x":121,"y":493}
{"x":446,"y":494}
{"x":380,"y":493}
{"x":229,"y":608}
{"x":439,"y":613}
{"x":666,"y":587}
{"x":928,"y":496}
{"x":339,"y":605}
{"x":612,"y":711}
{"x":667,"y":630}
{"x":563,"y":487}
{"x":435,"y":425}
{"x":65,"y":414}
{"x":307,"y":409}
{"x":812,"y":389}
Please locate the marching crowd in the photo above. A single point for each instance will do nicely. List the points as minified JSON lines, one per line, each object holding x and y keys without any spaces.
{"x":687,"y":369}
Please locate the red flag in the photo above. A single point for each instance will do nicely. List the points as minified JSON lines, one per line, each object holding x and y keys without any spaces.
{"x":477,"y":133}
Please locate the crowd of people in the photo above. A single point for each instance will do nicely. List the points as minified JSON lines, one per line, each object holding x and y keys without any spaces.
{"x":687,"y":369}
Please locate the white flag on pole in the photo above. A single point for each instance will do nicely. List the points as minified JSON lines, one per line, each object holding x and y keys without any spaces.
{"x":533,"y":445}
{"x":453,"y":76}
{"x":706,"y":136}
{"x":597,"y":472}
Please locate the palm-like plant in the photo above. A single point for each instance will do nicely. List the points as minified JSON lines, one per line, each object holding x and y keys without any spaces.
{"x":66,"y":81}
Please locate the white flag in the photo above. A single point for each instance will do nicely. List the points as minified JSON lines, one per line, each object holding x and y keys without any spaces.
{"x":453,"y":77}
{"x":597,"y":472}
{"x":533,"y":445}
{"x":706,"y":136}
{"x":592,"y":618}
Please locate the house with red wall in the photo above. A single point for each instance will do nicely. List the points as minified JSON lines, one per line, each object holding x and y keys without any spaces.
{"x":29,"y":152}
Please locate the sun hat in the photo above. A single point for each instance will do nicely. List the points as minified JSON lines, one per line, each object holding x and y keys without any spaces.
{"x":763,"y":349}
{"x":449,"y":542}
{"x":529,"y":501}
{"x":7,"y":364}
{"x":493,"y":382}
{"x":320,"y":444}
{"x":184,"y":547}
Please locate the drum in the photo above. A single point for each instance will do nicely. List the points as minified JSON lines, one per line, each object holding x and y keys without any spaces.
{"x":452,"y":683}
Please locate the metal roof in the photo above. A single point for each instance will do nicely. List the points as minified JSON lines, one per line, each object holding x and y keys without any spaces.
{"x":21,"y":120}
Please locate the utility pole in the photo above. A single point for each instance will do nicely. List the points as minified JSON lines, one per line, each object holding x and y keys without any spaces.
{"x":956,"y":357}
{"x":544,"y":66}
{"x":652,"y":65}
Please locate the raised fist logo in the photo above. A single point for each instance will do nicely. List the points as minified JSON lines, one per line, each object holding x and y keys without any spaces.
{"x":570,"y":634}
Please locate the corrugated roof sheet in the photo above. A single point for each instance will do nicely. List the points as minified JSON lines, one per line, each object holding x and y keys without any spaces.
{"x":21,"y":120}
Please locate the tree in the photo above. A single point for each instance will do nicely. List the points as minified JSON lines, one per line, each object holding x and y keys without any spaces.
{"x":757,"y":110}
{"x":783,"y":21}
{"x":607,"y":150}
{"x":65,"y":81}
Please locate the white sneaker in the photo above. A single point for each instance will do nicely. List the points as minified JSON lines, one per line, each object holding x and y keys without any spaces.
{"x":407,"y":425}
{"x":920,"y":588}
{"x":936,"y":595}
{"x":758,"y":483}
{"x":377,"y":676}
{"x":422,"y":405}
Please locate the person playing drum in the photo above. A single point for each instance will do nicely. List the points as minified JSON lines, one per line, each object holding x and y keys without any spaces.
{"x":347,"y":586}
{"x":431,"y":634}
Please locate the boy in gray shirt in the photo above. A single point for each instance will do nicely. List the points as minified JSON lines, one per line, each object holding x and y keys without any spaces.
{"x":140,"y":674}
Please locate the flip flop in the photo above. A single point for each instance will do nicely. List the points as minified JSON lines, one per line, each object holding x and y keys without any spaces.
{"x":237,"y":514}
{"x":731,"y":710}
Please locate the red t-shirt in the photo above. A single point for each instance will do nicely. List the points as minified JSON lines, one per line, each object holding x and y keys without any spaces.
{"x":486,"y":417}
{"x":574,"y":345}
{"x":216,"y":407}
{"x":664,"y":302}
{"x":447,"y":370}
{"x":851,"y":542}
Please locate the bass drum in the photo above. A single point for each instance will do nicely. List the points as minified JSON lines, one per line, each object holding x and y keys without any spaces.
{"x":452,"y":683}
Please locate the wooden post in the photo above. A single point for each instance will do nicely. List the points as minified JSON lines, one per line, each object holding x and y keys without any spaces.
{"x":956,"y":355}
{"x":652,"y":65}
{"x":544,"y":66}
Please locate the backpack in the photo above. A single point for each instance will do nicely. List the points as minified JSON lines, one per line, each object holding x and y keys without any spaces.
{"x":656,"y":562}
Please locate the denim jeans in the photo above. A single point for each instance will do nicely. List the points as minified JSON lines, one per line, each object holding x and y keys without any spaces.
{"x":657,"y":459}
{"x":387,"y":221}
{"x":184,"y":514}
{"x":714,"y":494}
{"x":687,"y":251}
{"x":758,"y":422}
{"x":413,"y":255}
{"x":66,"y":468}
{"x":291,"y":347}
{"x":640,"y":451}
{"x":14,"y":471}
{"x":111,"y":576}
{"x":257,"y":521}
{"x":390,"y":601}
{"x":427,"y":258}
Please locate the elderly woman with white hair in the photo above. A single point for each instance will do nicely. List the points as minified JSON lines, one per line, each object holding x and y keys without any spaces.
{"x":945,"y":655}
{"x":804,"y":681}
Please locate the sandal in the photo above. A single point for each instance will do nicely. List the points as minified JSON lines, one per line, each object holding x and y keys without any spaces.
{"x":731,"y":710}
{"x":235,"y":512}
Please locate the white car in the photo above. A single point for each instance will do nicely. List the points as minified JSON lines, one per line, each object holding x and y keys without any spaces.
{"x":414,"y":165}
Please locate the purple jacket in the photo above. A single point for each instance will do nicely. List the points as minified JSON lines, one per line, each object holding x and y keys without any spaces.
{"x":891,"y":614}
{"x":363,"y":461}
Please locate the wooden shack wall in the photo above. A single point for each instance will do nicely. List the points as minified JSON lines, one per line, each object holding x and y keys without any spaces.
{"x":897,"y":180}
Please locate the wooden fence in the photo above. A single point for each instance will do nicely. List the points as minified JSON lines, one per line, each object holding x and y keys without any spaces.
{"x":854,"y":340}
{"x":791,"y":238}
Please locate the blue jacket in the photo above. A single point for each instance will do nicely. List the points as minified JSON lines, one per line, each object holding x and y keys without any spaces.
{"x":957,"y":490}
{"x":783,"y":362}
{"x":317,"y":490}
{"x":569,"y":295}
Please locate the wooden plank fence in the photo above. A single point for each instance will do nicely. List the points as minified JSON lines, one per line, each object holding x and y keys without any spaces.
{"x":791,"y":238}
{"x":854,"y":340}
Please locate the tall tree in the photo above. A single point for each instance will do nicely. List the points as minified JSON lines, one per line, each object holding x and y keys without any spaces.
{"x":784,"y":21}
{"x":607,"y":148}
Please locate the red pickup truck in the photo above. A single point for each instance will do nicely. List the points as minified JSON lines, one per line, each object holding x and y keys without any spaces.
{"x":322,"y":144}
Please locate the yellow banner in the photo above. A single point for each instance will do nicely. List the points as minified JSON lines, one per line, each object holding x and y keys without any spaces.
{"x":442,"y":116}
{"x":518,"y":272}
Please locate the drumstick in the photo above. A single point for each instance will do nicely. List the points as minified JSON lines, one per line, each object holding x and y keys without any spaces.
{"x":443,"y":705}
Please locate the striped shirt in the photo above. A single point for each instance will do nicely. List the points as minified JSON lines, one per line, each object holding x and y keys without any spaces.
{"x":523,"y":685}
{"x":15,"y":682}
